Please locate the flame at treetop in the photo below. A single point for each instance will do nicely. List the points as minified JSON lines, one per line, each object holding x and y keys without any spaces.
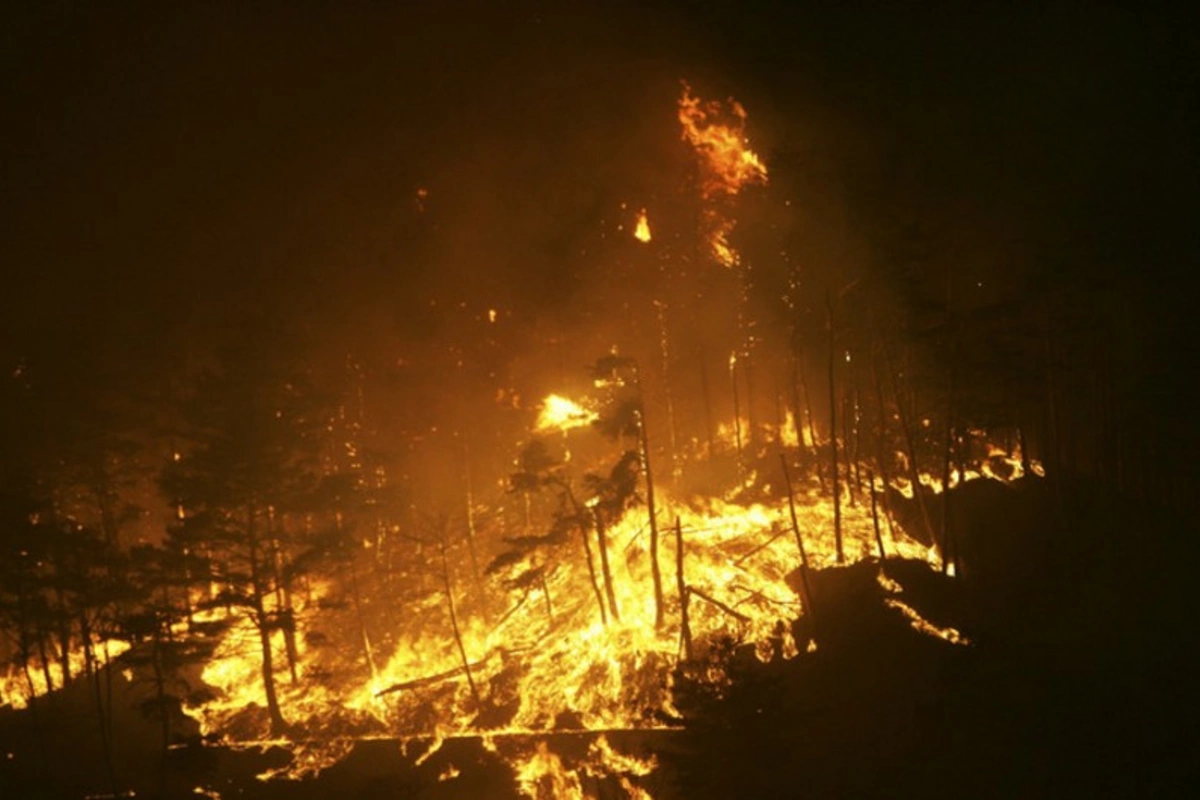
{"x":718,"y":136}
{"x":560,"y":413}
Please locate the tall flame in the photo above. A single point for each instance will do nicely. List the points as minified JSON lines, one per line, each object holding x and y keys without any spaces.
{"x":716,"y":132}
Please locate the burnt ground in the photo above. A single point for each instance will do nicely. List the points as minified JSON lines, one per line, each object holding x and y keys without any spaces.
{"x":1076,"y":683}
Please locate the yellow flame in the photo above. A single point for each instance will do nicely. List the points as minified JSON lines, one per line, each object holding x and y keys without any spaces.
{"x":559,"y":413}
{"x":642,"y":231}
{"x":16,"y":687}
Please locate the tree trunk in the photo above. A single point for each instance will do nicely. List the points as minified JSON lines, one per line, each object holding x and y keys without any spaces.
{"x":285,"y":614}
{"x":809,"y":419}
{"x":706,"y":391}
{"x":875,"y":516}
{"x":64,"y":635}
{"x":93,"y":672}
{"x":591,"y":565}
{"x":462,"y":651}
{"x":833,"y":440}
{"x":685,"y":628}
{"x":882,"y":453}
{"x":787,"y":481}
{"x":263,"y":623}
{"x":737,"y":411}
{"x":947,"y":527}
{"x":655,"y":573}
{"x":602,"y":540}
{"x":582,"y":516}
{"x":470,"y":512}
{"x":356,"y":598}
{"x":914,"y":474}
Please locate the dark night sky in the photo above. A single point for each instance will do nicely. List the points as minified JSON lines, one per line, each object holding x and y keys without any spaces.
{"x":169,"y":169}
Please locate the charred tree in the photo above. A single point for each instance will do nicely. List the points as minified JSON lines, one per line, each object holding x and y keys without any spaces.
{"x":685,"y":627}
{"x":833,"y":438}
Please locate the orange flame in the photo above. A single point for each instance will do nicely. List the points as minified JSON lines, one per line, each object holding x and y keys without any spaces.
{"x":718,"y":136}
{"x":716,"y":133}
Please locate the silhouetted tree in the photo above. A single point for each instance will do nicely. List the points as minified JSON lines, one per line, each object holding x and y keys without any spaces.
{"x":253,"y":430}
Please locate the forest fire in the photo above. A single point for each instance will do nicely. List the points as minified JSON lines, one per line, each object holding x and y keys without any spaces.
{"x":548,"y":652}
{"x":552,"y":401}
{"x":545,"y":612}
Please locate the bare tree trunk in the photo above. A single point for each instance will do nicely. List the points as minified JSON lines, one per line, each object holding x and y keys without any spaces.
{"x":263,"y":622}
{"x":587,"y":549}
{"x":875,"y":516}
{"x":672,"y":433}
{"x":602,"y":540}
{"x":833,"y":442}
{"x":751,"y":433}
{"x":847,"y":438}
{"x":470,"y":512}
{"x":808,"y":416}
{"x":685,"y":628}
{"x":64,"y":635}
{"x":914,"y":473}
{"x":644,"y":437}
{"x":285,"y":615}
{"x":582,"y":515}
{"x":708,"y":410}
{"x":947,"y":526}
{"x":856,"y":431}
{"x":160,"y":694}
{"x":356,"y":598}
{"x":45,"y":658}
{"x":737,"y":410}
{"x":93,"y":672}
{"x":462,"y":651}
{"x":546,"y":594}
{"x":882,"y":456}
{"x":787,"y":480}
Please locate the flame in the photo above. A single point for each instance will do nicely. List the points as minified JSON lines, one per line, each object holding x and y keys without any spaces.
{"x":718,"y":241}
{"x":559,"y":413}
{"x":544,"y":776}
{"x":717,"y":134}
{"x":642,"y":231}
{"x":16,"y":688}
{"x":543,"y":773}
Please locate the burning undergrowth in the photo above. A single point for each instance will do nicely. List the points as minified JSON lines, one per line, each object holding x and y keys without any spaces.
{"x":560,"y":631}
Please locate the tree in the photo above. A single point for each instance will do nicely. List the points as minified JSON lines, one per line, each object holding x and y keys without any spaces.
{"x":530,"y":556}
{"x":252,"y":429}
{"x":627,"y":419}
